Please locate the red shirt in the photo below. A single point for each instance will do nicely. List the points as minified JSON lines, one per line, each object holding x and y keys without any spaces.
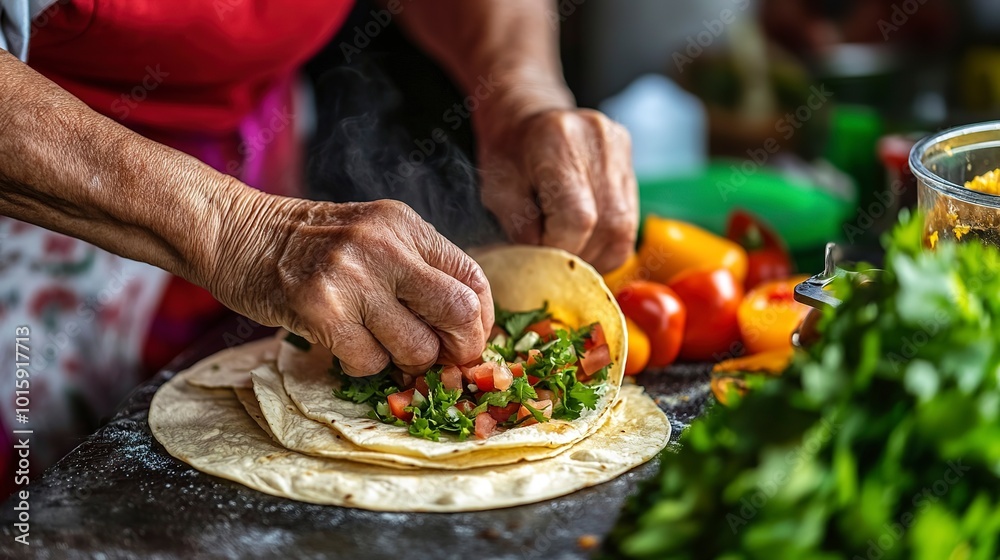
{"x":178,"y":65}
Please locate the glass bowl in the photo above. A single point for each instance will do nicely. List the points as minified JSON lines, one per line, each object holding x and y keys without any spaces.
{"x":942,"y":164}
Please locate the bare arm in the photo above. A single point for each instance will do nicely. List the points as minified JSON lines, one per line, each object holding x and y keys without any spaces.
{"x":537,"y":151}
{"x":69,"y":169}
{"x":365,"y":280}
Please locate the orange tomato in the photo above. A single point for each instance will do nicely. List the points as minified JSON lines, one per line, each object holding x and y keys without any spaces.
{"x":769,"y":315}
{"x":638,"y":349}
{"x":670,"y":247}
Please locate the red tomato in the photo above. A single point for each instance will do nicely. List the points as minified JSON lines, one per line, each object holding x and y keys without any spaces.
{"x":467,"y":370}
{"x":533,"y":355}
{"x":485,"y":424}
{"x":465,"y":406}
{"x":660,"y":314}
{"x":543,"y":406}
{"x":421,"y":385}
{"x":503,"y":413}
{"x":714,"y":328}
{"x":517,"y":370}
{"x":595,"y":359}
{"x":543,"y":328}
{"x":399,"y":401}
{"x":451,"y":377}
{"x":483,"y":376}
{"x":596,"y":338}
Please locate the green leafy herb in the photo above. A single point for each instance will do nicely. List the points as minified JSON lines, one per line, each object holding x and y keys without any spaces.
{"x":514,"y":322}
{"x":882,"y":440}
{"x":361,"y":390}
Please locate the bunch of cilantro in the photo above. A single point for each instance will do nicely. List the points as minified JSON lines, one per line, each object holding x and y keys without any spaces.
{"x":437,"y":413}
{"x":882,"y":441}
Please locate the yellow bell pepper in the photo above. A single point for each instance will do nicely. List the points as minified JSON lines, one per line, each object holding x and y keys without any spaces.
{"x":670,"y":247}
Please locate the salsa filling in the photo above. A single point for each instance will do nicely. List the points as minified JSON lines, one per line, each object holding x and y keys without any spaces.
{"x":533,"y":369}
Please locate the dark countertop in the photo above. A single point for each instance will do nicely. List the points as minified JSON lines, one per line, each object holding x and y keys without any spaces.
{"x":119,"y":493}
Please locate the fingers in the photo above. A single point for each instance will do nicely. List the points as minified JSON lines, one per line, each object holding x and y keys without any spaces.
{"x":359,"y":352}
{"x":567,"y":200}
{"x":442,"y":255}
{"x":411,"y":344}
{"x":617,"y":197}
{"x":587,"y":189}
{"x":512,"y":200}
{"x":451,"y":308}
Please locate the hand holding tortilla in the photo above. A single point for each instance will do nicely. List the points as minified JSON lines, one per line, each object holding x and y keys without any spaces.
{"x":294,"y":437}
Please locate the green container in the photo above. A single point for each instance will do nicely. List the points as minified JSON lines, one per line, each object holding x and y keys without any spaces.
{"x":805,"y":215}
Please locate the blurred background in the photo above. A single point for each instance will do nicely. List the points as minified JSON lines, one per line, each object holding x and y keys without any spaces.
{"x":802,"y":112}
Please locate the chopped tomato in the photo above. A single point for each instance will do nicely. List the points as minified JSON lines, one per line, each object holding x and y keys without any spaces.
{"x":467,"y":370}
{"x":483,"y":376}
{"x":503,"y":378}
{"x":596,"y":338}
{"x":595,"y":359}
{"x":503,"y":413}
{"x":533,"y":355}
{"x":546,"y":395}
{"x":517,"y":370}
{"x":543,"y":406}
{"x":543,"y":328}
{"x":485,"y":424}
{"x":421,"y":385}
{"x":532,"y":380}
{"x":465,"y":406}
{"x":399,"y":401}
{"x":451,"y":377}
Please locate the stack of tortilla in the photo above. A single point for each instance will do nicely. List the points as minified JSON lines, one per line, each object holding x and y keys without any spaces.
{"x":264,"y":415}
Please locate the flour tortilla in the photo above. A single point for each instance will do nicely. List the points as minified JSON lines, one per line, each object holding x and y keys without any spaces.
{"x":286,"y":424}
{"x":230,"y":368}
{"x":521,"y":278}
{"x":210,"y":430}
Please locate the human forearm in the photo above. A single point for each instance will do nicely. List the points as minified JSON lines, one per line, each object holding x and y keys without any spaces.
{"x":511,"y":44}
{"x":67,"y":168}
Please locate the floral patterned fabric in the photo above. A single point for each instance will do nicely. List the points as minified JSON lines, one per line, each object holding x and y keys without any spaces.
{"x":100,"y":323}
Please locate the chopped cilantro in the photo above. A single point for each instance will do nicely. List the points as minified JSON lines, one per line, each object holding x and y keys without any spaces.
{"x":514,"y":322}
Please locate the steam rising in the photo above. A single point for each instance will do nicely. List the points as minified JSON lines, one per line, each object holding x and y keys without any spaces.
{"x":374,"y":142}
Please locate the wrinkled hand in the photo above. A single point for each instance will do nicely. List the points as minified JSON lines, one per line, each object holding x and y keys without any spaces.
{"x":564,"y":178}
{"x":371,"y":281}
